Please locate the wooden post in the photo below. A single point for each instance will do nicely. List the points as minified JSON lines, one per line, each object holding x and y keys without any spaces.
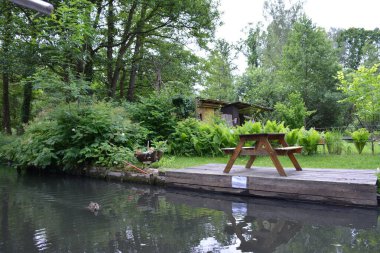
{"x":234,"y":156}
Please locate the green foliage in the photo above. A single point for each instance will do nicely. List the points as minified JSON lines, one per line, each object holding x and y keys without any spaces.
{"x":219,"y":82}
{"x":249,"y":127}
{"x":309,"y":140}
{"x":293,"y":111}
{"x":192,"y":137}
{"x":292,"y":136}
{"x":274,"y":127}
{"x":360,"y":138}
{"x":362,"y":88}
{"x":180,"y":142}
{"x":72,"y":136}
{"x":156,"y":113}
{"x":50,"y":89}
{"x":225,"y":136}
{"x":357,"y":46}
{"x":5,"y":142}
{"x":184,"y":106}
{"x":309,"y":65}
{"x":334,"y":142}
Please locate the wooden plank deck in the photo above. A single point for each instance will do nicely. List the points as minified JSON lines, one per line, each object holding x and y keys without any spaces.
{"x":333,"y":186}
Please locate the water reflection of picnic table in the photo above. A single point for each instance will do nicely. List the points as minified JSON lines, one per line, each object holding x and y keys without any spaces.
{"x":263,"y":147}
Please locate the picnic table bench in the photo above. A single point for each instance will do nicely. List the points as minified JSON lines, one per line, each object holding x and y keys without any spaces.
{"x":263,"y":147}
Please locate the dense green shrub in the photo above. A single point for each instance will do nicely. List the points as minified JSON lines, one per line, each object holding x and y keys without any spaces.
{"x":309,"y":139}
{"x":181,"y":141}
{"x":360,"y":138}
{"x":72,"y":136}
{"x":224,"y":135}
{"x":293,"y":111}
{"x":292,"y":136}
{"x":192,"y":137}
{"x":274,"y":127}
{"x":156,"y":113}
{"x":334,"y":142}
{"x":249,"y":127}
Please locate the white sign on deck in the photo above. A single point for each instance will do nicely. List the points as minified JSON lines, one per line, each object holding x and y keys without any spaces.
{"x":239,"y":182}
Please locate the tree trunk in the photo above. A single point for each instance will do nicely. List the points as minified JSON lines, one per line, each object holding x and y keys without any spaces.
{"x":134,"y":69}
{"x":122,"y":82}
{"x":27,"y":103}
{"x":5,"y":69}
{"x":136,"y":55}
{"x":158,"y":79}
{"x":6,"y":111}
{"x":110,"y":44}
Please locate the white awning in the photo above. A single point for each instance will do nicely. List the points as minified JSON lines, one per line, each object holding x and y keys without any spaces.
{"x":38,"y":5}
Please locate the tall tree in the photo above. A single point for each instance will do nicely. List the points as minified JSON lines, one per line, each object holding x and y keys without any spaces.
{"x":362,"y":88}
{"x":281,"y":17}
{"x":219,"y":81}
{"x":358,"y":46}
{"x":309,"y":66}
{"x":109,"y":35}
{"x":264,"y":49}
{"x":6,"y":37}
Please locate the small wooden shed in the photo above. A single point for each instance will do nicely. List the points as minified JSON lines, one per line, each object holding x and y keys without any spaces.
{"x":208,"y":108}
{"x":234,"y":113}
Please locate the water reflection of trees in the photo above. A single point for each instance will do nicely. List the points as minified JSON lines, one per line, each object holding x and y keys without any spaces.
{"x":137,"y":218}
{"x":261,"y":235}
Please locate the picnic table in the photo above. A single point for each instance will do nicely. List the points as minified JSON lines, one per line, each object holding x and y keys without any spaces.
{"x":263,"y":147}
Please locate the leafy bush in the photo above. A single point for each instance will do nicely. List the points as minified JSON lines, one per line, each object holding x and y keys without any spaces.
{"x":224,"y":136}
{"x":334,"y":142}
{"x":192,"y":137}
{"x":309,"y":140}
{"x":181,"y":141}
{"x":156,"y":113}
{"x":249,"y":127}
{"x":293,"y":111}
{"x":291,"y":137}
{"x":71,"y":137}
{"x":360,"y":138}
{"x":274,"y":127}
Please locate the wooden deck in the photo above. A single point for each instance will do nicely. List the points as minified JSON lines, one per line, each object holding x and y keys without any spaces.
{"x":333,"y":186}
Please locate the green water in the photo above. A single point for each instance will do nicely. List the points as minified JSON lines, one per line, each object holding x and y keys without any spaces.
{"x":48,"y":214}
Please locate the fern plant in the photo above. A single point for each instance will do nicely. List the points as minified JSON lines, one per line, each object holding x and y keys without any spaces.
{"x":334,"y":142}
{"x":360,"y":138}
{"x":291,"y":137}
{"x":274,"y":127}
{"x":309,"y":139}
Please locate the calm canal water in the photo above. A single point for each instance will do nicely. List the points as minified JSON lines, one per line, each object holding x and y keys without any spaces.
{"x":48,"y":214}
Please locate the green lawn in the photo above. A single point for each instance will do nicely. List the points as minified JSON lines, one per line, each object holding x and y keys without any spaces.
{"x":349,"y":159}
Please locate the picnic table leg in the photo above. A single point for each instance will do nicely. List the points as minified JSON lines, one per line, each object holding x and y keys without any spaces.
{"x":277,"y":164}
{"x":273,"y":156}
{"x":294,"y":161}
{"x":250,"y":161}
{"x":234,"y":156}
